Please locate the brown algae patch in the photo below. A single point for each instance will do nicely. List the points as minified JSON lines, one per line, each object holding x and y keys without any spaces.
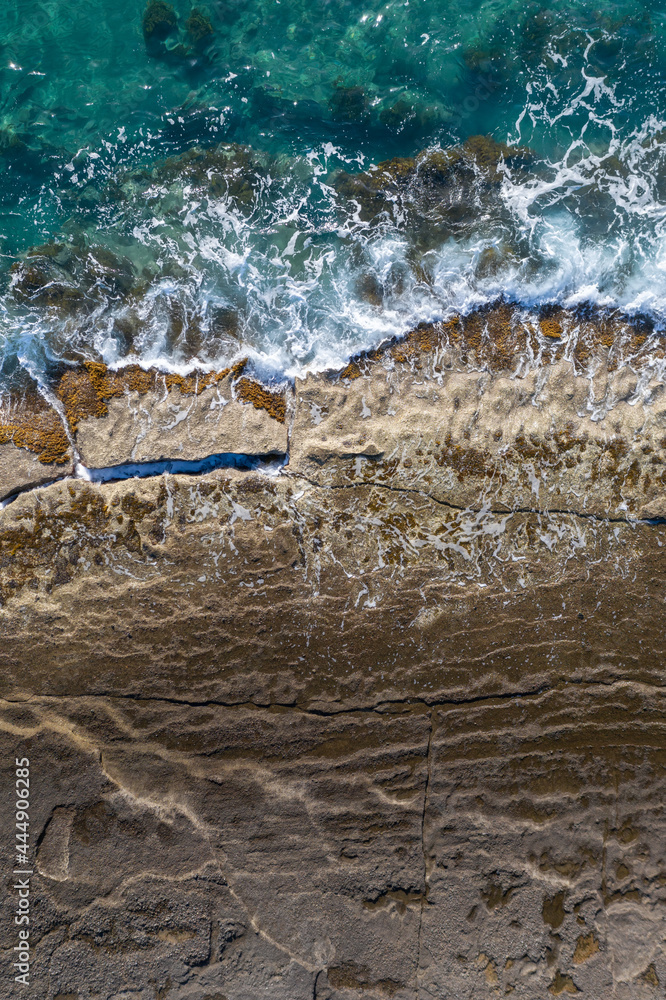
{"x":261,"y":398}
{"x":586,"y":946}
{"x":85,"y":391}
{"x":29,"y":422}
{"x":499,"y":336}
{"x":44,"y":544}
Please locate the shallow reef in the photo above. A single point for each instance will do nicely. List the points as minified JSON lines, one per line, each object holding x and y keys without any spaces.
{"x":440,"y":181}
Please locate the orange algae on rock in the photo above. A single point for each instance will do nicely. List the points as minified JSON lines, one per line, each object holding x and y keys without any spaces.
{"x":551,"y":324}
{"x":274,"y":403}
{"x":351,"y":371}
{"x":498,"y":335}
{"x":29,"y":422}
{"x":562,"y":984}
{"x":85,"y":391}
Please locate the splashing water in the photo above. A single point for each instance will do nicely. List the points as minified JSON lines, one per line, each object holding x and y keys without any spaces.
{"x":187,"y":184}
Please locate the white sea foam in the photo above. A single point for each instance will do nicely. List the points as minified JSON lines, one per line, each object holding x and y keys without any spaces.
{"x":300,"y":279}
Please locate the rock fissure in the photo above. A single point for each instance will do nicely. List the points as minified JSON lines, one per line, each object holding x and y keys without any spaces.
{"x":495,"y":511}
{"x":31,"y":488}
{"x":183,"y":466}
{"x":172,"y":466}
{"x":274,"y":463}
{"x":382,"y":709}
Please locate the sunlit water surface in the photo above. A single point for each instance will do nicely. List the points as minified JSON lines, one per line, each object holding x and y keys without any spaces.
{"x":127,"y":231}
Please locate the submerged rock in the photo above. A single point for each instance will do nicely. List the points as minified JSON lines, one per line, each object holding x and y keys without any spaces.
{"x":199,"y":29}
{"x":444,"y":181}
{"x":70,"y":276}
{"x":411,"y":113}
{"x":349,"y":104}
{"x":159,"y":21}
{"x":228,"y":169}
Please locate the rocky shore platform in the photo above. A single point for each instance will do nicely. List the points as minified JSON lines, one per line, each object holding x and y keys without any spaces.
{"x":379,"y":713}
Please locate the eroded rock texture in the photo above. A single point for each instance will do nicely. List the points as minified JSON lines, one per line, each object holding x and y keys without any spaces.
{"x":133,"y":415}
{"x":494,"y":410}
{"x":387,"y":724}
{"x":34,"y":444}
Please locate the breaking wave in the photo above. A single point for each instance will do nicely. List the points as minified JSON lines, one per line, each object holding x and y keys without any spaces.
{"x":525,"y":164}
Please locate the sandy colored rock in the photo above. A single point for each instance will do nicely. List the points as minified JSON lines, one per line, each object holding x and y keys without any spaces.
{"x":134,"y":415}
{"x":34,"y":446}
{"x":504,"y":417}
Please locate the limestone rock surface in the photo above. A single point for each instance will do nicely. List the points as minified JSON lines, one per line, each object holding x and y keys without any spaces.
{"x":384,"y":725}
{"x":34,"y":445}
{"x":491,"y":410}
{"x":134,"y":415}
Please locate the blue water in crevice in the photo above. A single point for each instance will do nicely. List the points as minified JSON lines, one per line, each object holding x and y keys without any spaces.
{"x":149,"y":256}
{"x":183,"y":467}
{"x":269,"y":465}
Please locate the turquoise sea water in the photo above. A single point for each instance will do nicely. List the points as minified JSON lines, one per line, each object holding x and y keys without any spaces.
{"x":190,"y":183}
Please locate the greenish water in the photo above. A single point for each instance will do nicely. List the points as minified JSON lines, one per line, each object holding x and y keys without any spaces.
{"x":127,"y":231}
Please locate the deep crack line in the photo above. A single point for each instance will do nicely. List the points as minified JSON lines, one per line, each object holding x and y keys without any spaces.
{"x":380,"y":708}
{"x":496,"y":512}
{"x":183,"y":467}
{"x":270,"y":464}
{"x":278,"y":465}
